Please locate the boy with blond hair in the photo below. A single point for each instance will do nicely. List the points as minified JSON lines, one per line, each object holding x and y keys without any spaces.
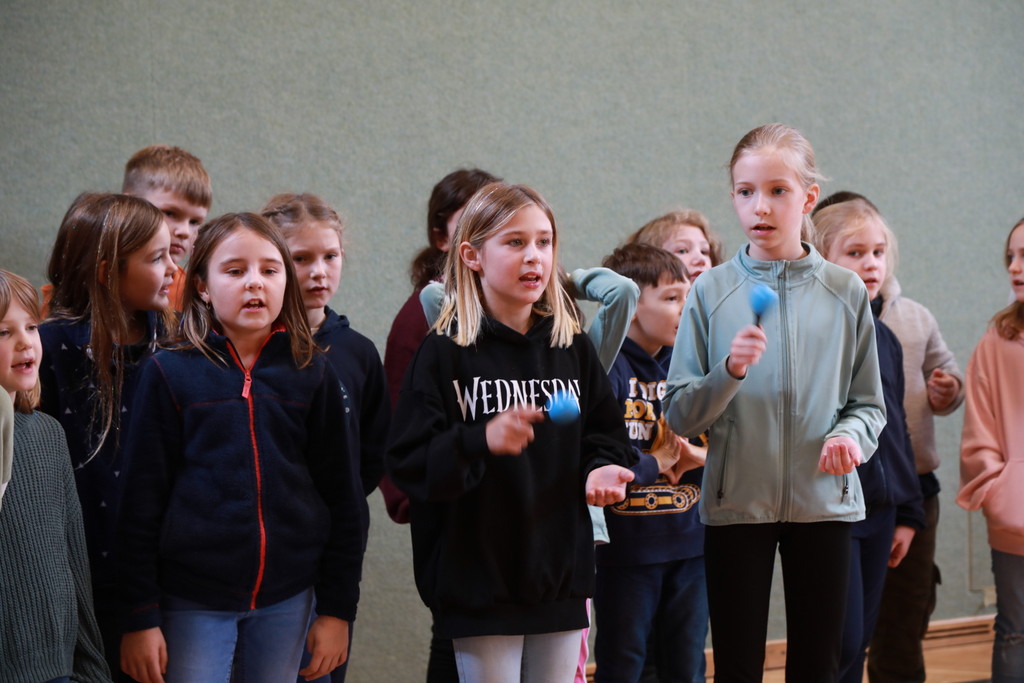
{"x":650,"y":577}
{"x":175,"y":182}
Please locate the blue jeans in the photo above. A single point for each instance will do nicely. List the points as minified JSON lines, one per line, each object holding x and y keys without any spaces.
{"x":536,"y":658}
{"x":264,"y":644}
{"x":1008,"y":649}
{"x":630,"y":601}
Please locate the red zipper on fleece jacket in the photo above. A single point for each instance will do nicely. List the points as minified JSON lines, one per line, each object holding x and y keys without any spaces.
{"x":256,"y":461}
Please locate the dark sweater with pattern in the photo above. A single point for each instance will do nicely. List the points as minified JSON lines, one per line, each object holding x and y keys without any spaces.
{"x":658,"y":521}
{"x":47,"y":626}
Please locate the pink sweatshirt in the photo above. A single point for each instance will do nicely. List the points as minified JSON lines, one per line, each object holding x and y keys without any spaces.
{"x":992,"y":444}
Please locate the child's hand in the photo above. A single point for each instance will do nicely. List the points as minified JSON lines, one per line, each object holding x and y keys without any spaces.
{"x":690,"y":458}
{"x":607,"y":485}
{"x":667,"y":454}
{"x":900,"y":544}
{"x":509,"y":433}
{"x":840,"y":455}
{"x":144,"y":655}
{"x":942,"y":389}
{"x":747,"y":348}
{"x":328,"y":643}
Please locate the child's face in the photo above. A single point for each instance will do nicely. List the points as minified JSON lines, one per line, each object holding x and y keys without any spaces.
{"x":657,"y":314}
{"x":20,"y":350}
{"x":1016,"y":267}
{"x":245,"y":285}
{"x":317,"y":254}
{"x":514,"y":264}
{"x":146,"y":276}
{"x":863,"y":252}
{"x":770,"y":203}
{"x":690,"y":245}
{"x":182,"y":217}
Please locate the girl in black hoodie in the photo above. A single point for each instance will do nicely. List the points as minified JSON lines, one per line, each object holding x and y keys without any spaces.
{"x":502,"y":541}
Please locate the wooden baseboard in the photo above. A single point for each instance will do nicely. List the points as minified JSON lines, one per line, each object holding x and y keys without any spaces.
{"x":944,"y":633}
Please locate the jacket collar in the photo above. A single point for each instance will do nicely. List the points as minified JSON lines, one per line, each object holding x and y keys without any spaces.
{"x":773,"y":271}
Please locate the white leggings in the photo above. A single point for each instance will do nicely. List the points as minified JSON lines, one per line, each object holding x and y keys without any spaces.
{"x":539,"y":658}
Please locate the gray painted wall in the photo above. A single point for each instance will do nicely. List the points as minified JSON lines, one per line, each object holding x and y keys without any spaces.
{"x":616,"y":112}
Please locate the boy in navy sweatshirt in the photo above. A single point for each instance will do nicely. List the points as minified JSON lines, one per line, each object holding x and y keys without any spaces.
{"x":650,"y":577}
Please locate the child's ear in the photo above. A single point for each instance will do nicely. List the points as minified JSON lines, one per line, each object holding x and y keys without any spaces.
{"x":204,"y":294}
{"x":103,"y":273}
{"x":470,"y":256}
{"x":812,"y":197}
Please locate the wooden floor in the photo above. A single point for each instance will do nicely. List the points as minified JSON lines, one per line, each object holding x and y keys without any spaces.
{"x":955,"y":651}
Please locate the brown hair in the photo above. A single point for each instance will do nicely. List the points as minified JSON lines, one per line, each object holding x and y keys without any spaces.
{"x":291,"y":212}
{"x":168,"y":168}
{"x":661,"y":229}
{"x":448,"y":196}
{"x":1009,"y":322}
{"x":487,"y":212}
{"x":101,"y":229}
{"x":799,"y":155}
{"x":197,"y":320}
{"x":16,"y":288}
{"x":645,"y":264}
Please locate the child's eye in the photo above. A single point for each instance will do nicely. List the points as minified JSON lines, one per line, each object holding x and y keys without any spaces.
{"x":744,"y":192}
{"x":234,"y":271}
{"x":682,"y":250}
{"x":195,"y":222}
{"x":331,"y":256}
{"x":33,"y":327}
{"x":5,"y":333}
{"x":545,"y":242}
{"x":270,"y":271}
{"x":515,"y":242}
{"x":299,"y":259}
{"x":779,"y":190}
{"x":879,"y":252}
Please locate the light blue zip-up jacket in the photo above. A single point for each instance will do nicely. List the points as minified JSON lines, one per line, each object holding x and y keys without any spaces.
{"x":817,"y":379}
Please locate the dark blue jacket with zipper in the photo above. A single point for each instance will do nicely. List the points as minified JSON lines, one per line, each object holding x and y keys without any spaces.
{"x":241,"y":489}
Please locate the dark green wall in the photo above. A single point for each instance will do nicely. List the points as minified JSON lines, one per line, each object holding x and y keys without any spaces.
{"x":616,"y":112}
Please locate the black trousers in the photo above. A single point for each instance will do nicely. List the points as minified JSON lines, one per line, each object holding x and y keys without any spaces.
{"x":740,"y":560}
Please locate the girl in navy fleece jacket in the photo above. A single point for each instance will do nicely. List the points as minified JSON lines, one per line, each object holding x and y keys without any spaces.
{"x":241,"y":495}
{"x":502,"y":541}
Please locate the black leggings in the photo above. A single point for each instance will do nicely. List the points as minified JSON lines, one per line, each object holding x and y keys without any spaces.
{"x":739,"y":561}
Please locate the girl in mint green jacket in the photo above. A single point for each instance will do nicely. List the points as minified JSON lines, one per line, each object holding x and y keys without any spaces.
{"x":793,"y":403}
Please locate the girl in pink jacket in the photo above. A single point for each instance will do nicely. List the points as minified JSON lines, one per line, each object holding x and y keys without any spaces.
{"x":992,"y":460}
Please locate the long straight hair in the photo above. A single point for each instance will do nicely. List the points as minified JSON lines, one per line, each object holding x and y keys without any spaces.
{"x":14,"y":288}
{"x":462,"y":312}
{"x":198,"y":319}
{"x":1009,"y":322}
{"x":98,"y":234}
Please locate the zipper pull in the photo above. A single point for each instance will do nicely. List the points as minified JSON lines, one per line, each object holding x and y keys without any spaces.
{"x":846,"y":486}
{"x":248,"y":383}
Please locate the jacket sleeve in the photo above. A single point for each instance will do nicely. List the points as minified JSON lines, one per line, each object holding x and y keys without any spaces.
{"x":699,"y":388}
{"x":938,"y":356}
{"x":604,"y":438}
{"x":431,"y":299}
{"x":982,"y":459}
{"x":334,"y":469}
{"x":433,"y":457}
{"x":863,"y":416}
{"x":910,"y":508}
{"x":375,"y":419}
{"x":151,"y":450}
{"x":618,"y":296}
{"x":89,"y":663}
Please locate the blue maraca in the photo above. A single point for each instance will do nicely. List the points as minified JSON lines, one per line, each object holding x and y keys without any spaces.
{"x":762,"y":298}
{"x":562,"y":407}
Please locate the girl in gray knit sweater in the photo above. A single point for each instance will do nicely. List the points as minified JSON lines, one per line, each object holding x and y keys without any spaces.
{"x":47,"y":628}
